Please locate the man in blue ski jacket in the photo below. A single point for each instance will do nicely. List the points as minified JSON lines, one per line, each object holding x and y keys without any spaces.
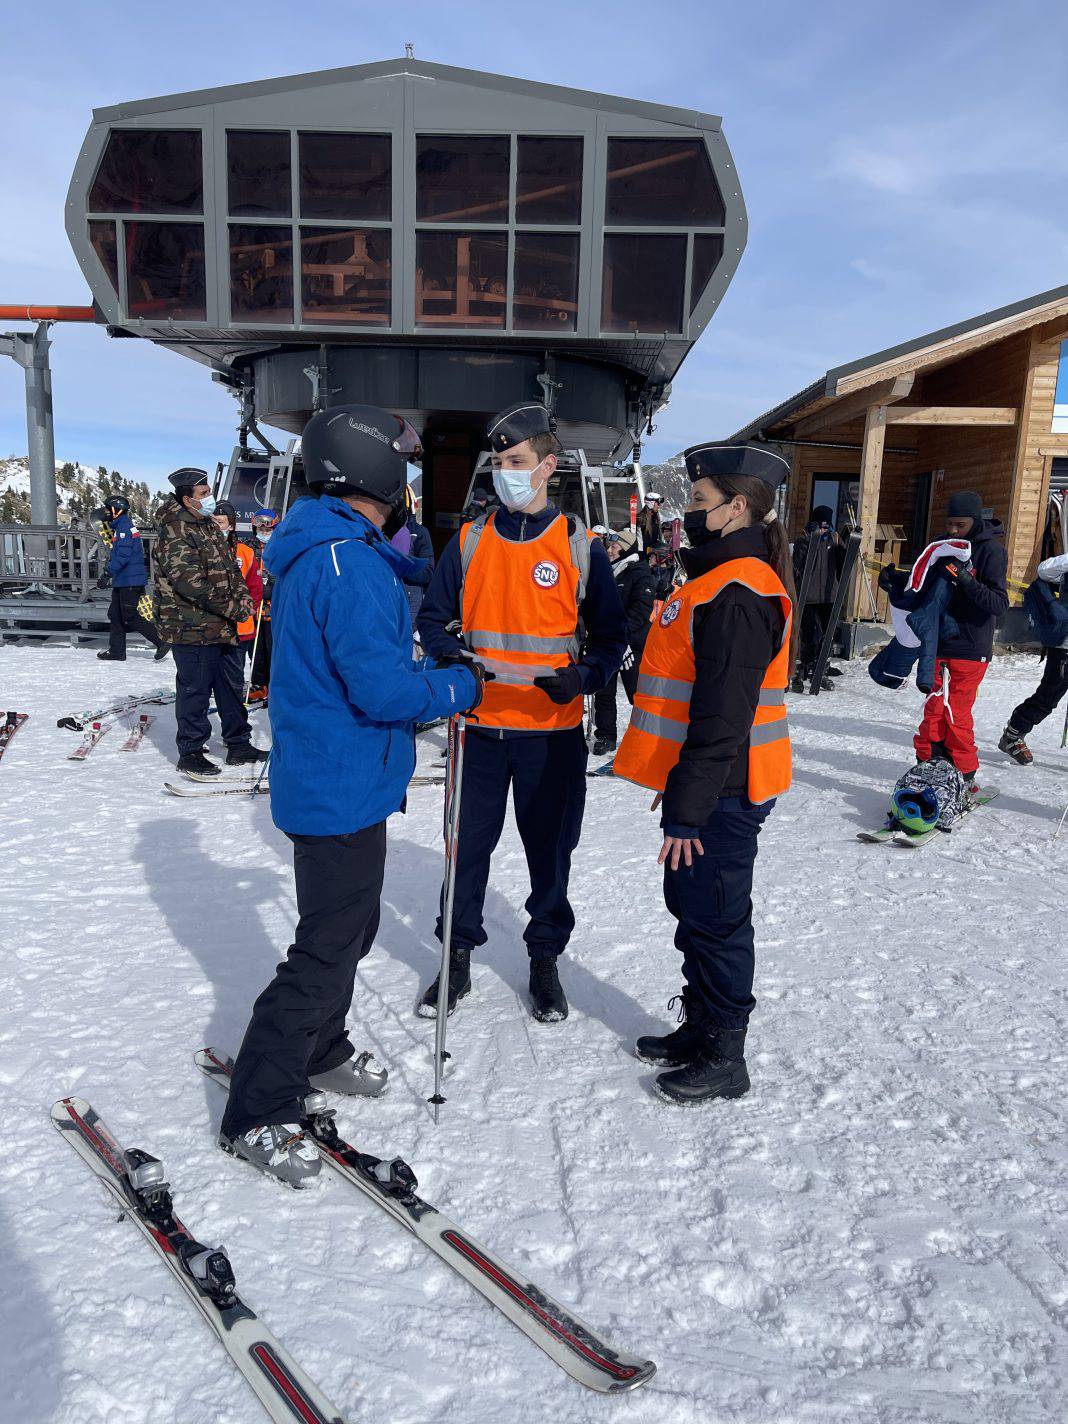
{"x":345,"y":697}
{"x":127,"y":576}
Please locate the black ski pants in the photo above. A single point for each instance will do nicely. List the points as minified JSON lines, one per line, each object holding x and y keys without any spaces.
{"x":604,"y":703}
{"x":547,"y":775}
{"x":814,"y":620}
{"x":298,"y":1022}
{"x":204,"y":669}
{"x":1047,"y":694}
{"x":260,"y":672}
{"x":124,"y":618}
{"x":711,"y":900}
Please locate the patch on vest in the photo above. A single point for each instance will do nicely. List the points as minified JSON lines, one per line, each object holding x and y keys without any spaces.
{"x":546,"y":574}
{"x":670,"y":613}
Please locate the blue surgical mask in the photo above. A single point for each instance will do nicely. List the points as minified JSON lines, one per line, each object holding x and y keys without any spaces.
{"x":207,"y":506}
{"x":514,"y":488}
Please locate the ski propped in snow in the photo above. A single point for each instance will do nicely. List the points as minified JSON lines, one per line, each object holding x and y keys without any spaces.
{"x":575,"y":1346}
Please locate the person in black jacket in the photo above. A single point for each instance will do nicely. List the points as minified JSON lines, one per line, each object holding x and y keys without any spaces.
{"x":709,"y":731}
{"x":966,"y":646}
{"x":637,"y":593}
{"x":819,"y":596}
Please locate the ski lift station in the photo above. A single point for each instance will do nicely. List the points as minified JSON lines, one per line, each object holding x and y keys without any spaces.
{"x":433,"y":240}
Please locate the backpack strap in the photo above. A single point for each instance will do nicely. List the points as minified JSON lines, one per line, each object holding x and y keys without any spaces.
{"x":579,"y":537}
{"x":468,"y":545}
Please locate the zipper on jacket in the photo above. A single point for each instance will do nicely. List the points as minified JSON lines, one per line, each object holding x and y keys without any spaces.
{"x":389,"y":743}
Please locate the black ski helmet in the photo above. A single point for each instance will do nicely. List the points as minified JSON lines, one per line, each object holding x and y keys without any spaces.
{"x":223,"y":506}
{"x":359,"y":449}
{"x":116,"y":504}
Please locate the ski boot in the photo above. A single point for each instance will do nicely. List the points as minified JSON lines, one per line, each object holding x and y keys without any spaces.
{"x":716,"y":1070}
{"x":678,"y":1046}
{"x":359,"y":1077}
{"x":833,"y":671}
{"x":279,"y":1150}
{"x":459,"y":985}
{"x":107,"y":657}
{"x":245,"y":754}
{"x":547,"y":1001}
{"x":1013,"y":744}
{"x":797,"y":683}
{"x":197,"y":764}
{"x":603,"y":745}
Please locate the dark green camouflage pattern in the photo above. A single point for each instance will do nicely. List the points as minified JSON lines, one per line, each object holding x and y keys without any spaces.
{"x":200,"y":593}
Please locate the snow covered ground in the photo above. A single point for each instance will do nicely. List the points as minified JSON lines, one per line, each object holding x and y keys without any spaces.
{"x":875,"y":1235}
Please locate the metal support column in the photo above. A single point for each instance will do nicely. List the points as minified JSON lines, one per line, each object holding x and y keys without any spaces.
{"x":31,"y":353}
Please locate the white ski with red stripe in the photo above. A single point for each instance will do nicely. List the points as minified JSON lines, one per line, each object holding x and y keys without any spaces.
{"x":572,"y":1344}
{"x":9,"y":726}
{"x":97,"y":731}
{"x":137,"y":733}
{"x":279,"y":1383}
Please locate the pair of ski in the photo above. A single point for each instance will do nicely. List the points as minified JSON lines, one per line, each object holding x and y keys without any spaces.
{"x":251,"y":785}
{"x":10,"y":725}
{"x":97,"y":731}
{"x":136,"y":1180}
{"x":894,"y":834}
{"x":845,"y":579}
{"x":79,"y":721}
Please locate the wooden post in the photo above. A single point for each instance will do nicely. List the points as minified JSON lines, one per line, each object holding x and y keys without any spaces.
{"x":871,"y":475}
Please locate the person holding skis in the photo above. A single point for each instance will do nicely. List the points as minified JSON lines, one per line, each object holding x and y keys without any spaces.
{"x":708,"y":733}
{"x":637,"y":592}
{"x":523,"y":583}
{"x":1052,"y":686}
{"x":966,"y":643}
{"x":819,"y":596}
{"x":127,"y":577}
{"x":202,"y":599}
{"x":345,"y":697}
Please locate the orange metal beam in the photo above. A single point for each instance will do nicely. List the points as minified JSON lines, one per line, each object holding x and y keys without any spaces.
{"x":28,"y":313}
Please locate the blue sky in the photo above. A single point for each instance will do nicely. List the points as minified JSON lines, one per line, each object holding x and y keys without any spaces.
{"x":903,"y":168}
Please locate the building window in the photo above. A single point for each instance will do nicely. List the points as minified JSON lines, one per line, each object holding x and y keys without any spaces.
{"x":165,"y":270}
{"x":661,"y":182}
{"x":707,"y":251}
{"x":463,"y":179}
{"x":261,"y":275}
{"x":105,"y":244}
{"x":643,"y":282}
{"x":461,"y":279}
{"x":345,"y":275}
{"x":149,"y":171}
{"x":549,"y":180}
{"x":346,"y":175}
{"x":257,"y":173}
{"x":546,"y":281}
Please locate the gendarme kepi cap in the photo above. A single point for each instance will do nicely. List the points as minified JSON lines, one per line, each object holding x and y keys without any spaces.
{"x":747,"y":458}
{"x":518,"y":423}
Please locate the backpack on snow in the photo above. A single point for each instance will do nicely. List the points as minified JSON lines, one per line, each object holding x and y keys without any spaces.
{"x":1046,"y":614}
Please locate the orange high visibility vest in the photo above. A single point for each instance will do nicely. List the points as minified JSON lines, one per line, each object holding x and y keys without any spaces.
{"x":245,"y":559}
{"x":661,"y":717}
{"x":519,"y":607}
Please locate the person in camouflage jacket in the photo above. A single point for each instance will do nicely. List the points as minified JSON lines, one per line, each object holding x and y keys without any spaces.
{"x":201,"y":598}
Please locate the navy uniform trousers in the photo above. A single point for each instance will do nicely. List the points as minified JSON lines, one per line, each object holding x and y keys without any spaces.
{"x":546,"y":772}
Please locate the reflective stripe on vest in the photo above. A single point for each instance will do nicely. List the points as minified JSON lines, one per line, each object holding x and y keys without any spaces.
{"x":661,"y":717}
{"x":519,"y":606}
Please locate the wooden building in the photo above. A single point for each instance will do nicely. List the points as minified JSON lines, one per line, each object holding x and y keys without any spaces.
{"x":895,"y":434}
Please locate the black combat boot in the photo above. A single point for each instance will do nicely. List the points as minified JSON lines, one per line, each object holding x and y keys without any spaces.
{"x":679,"y":1045}
{"x":547,"y":1001}
{"x":459,"y":985}
{"x":197,"y":764}
{"x":603,"y":744}
{"x":245,"y":754}
{"x":716,"y":1070}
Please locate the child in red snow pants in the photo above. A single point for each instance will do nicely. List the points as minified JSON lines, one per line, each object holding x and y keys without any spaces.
{"x":947,"y":713}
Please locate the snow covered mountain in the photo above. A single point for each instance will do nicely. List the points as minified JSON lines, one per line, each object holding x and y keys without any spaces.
{"x":80,"y":488}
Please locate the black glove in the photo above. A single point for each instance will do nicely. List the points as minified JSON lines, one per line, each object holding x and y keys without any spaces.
{"x":958,"y":573}
{"x":563,"y":685}
{"x":482,"y":675}
{"x":104,"y":581}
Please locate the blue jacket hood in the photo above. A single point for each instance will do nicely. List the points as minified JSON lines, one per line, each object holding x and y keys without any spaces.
{"x":313,"y":522}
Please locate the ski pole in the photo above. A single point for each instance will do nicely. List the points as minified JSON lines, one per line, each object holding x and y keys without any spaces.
{"x":453,"y":788}
{"x":1064,"y":734}
{"x":255,"y":645}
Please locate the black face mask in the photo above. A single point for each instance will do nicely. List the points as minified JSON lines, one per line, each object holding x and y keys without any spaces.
{"x":696,"y":529}
{"x":396,"y":519}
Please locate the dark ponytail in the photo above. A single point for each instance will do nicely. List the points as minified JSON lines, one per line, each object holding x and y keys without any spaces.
{"x":760,"y":497}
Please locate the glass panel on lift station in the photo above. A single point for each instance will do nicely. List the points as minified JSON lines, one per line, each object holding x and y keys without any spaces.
{"x":549,"y":180}
{"x":105,"y":244}
{"x":643,"y":282}
{"x":661,"y":182}
{"x":247,"y":490}
{"x":346,"y":275}
{"x":165,"y":270}
{"x":707,"y":251}
{"x":346,"y":175}
{"x":257,"y":173}
{"x":149,"y":171}
{"x":261,"y":274}
{"x":546,"y":281}
{"x":461,"y":279}
{"x":461,"y":179}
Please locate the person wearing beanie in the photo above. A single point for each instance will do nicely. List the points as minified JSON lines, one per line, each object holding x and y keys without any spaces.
{"x":819,"y":596}
{"x":966,"y":642}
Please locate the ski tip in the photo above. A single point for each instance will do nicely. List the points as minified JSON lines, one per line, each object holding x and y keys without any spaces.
{"x":642,"y":1375}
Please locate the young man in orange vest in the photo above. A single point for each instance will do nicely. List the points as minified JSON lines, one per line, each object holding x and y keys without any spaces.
{"x":526,"y":584}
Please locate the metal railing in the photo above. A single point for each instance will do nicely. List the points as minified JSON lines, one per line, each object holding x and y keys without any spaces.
{"x":52,"y":559}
